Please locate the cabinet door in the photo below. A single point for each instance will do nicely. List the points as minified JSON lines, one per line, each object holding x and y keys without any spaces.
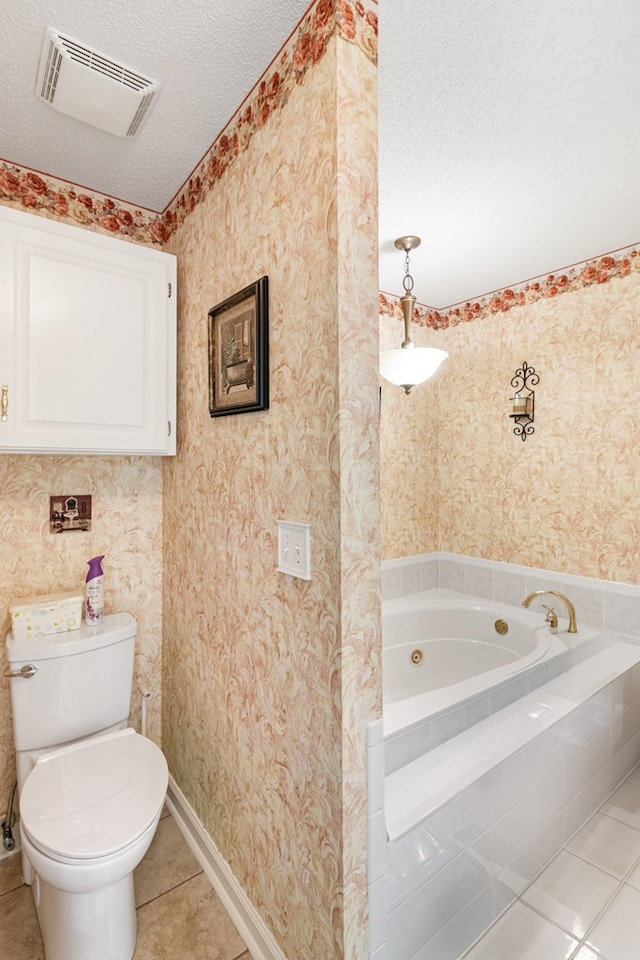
{"x":87,"y":341}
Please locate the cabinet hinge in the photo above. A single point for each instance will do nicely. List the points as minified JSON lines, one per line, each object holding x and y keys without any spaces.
{"x":169,"y":290}
{"x":168,"y":428}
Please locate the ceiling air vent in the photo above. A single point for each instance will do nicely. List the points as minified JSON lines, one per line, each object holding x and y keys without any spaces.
{"x":91,"y":87}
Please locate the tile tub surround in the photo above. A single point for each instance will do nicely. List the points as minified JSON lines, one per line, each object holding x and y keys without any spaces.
{"x":599,"y":603}
{"x":507,"y":811}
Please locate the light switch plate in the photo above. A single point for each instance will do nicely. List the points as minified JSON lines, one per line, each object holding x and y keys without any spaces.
{"x":294,"y":549}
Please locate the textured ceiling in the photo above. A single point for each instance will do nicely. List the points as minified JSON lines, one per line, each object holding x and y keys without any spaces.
{"x":205,"y":54}
{"x":509,"y":139}
{"x":509,"y":134}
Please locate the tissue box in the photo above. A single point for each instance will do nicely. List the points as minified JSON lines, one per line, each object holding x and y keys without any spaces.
{"x":52,"y":613}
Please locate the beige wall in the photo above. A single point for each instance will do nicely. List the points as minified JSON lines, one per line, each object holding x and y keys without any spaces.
{"x":408,"y":461}
{"x":269,"y":681}
{"x":357,"y":432}
{"x":567,"y":497}
{"x":126,"y":528}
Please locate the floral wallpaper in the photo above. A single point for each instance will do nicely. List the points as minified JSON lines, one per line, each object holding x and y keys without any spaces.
{"x":269,"y":681}
{"x":357,"y":23}
{"x":39,"y":193}
{"x":285,"y":674}
{"x":564,"y":499}
{"x":618,"y":264}
{"x":357,"y":430}
{"x":32,"y":190}
{"x":408,"y":463}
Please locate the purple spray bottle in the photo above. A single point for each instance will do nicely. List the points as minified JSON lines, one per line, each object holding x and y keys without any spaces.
{"x":94,"y":605}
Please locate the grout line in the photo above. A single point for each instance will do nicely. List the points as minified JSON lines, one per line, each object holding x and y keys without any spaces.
{"x":602,"y":912}
{"x":582,"y":941}
{"x":176,"y":886}
{"x":597,"y":866}
{"x":547,"y":919}
{"x":620,"y":883}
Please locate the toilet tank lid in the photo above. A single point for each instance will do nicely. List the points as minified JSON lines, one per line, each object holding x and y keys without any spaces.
{"x":114,"y":628}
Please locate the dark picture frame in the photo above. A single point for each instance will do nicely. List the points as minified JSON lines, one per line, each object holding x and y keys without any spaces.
{"x":239,"y":352}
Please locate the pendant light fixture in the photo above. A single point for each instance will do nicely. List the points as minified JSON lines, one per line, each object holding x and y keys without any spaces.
{"x":409,"y":365}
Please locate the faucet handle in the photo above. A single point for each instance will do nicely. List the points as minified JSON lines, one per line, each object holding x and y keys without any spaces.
{"x":551,"y":617}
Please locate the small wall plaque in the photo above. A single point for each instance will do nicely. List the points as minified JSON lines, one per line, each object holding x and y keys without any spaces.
{"x":70,"y":512}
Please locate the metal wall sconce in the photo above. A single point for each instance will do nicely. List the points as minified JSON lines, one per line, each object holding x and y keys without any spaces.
{"x":522,"y":410}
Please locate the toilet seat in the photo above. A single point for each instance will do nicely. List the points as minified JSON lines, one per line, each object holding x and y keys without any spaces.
{"x":90,"y":800}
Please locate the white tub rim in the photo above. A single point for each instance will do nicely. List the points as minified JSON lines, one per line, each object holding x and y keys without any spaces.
{"x":404,"y":714}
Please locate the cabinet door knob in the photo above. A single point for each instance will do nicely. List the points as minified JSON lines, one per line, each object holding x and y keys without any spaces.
{"x":4,"y":401}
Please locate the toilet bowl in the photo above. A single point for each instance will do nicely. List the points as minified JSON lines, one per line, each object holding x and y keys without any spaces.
{"x":88,"y":815}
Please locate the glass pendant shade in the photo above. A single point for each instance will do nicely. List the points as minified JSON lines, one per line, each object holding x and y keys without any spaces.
{"x":409,"y":366}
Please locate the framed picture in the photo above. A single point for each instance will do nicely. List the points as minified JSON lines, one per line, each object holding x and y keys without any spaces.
{"x":239,"y":352}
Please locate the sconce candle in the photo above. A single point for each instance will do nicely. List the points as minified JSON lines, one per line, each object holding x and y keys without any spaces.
{"x":519,"y":406}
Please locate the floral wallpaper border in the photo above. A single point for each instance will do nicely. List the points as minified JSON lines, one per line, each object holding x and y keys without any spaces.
{"x":304,"y":48}
{"x":356,"y":22}
{"x":619,"y":263}
{"x":39,"y":193}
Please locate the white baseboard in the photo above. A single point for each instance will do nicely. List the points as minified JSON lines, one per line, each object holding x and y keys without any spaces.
{"x":248,"y":922}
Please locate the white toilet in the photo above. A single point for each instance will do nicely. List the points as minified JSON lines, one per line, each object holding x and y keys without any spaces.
{"x":91,"y":789}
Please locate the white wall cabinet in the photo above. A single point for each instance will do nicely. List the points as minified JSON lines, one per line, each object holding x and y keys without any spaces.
{"x":87,"y":341}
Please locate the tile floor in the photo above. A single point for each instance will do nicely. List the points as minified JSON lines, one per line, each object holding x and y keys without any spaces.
{"x":586,"y":904}
{"x":179,"y":915}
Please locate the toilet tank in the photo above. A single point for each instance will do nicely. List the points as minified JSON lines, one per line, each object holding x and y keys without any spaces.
{"x":82,"y":683}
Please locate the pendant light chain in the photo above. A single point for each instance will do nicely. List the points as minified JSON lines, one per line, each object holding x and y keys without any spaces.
{"x":407,"y":282}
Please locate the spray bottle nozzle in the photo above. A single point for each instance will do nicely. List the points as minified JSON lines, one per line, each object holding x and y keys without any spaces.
{"x":95,"y":568}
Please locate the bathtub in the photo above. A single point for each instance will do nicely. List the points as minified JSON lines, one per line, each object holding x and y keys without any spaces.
{"x":514,"y":737}
{"x":438,"y":652}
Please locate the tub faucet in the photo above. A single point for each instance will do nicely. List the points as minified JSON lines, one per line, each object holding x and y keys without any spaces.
{"x":551,"y":618}
{"x":554,"y":593}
